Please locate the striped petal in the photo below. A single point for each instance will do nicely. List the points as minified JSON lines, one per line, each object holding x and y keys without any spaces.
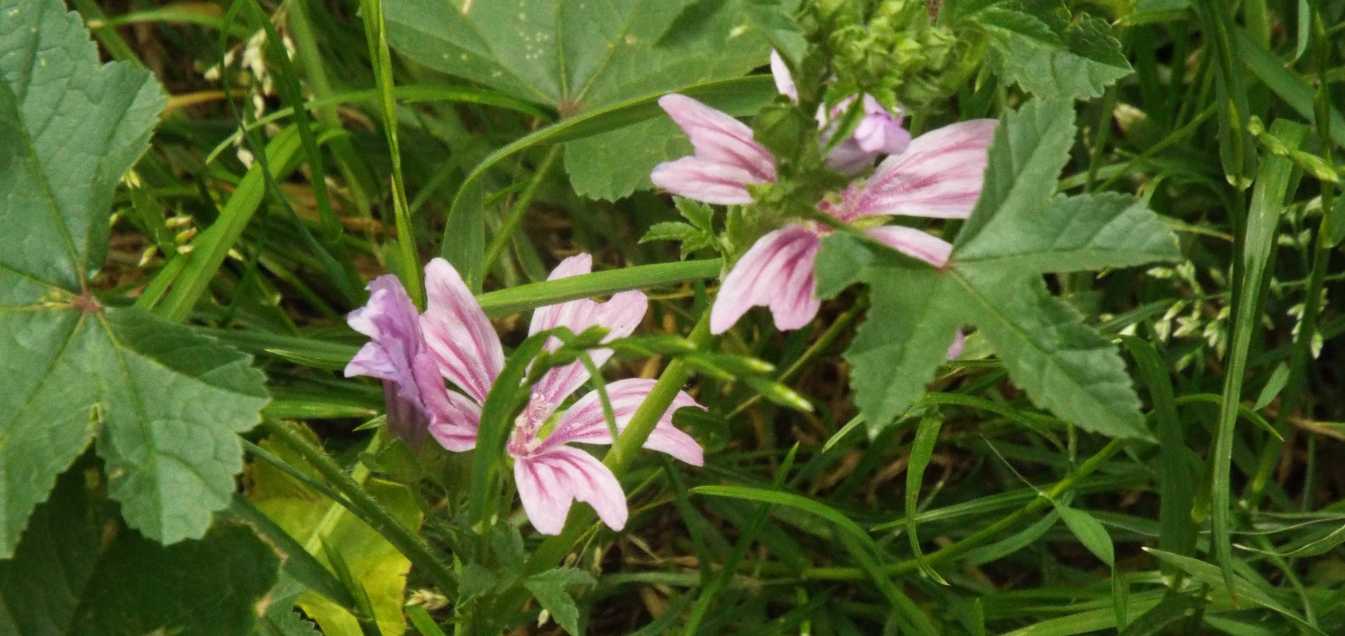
{"x":396,"y":353}
{"x":777,"y":272}
{"x":913,"y":243}
{"x":939,"y":175}
{"x":455,"y":422}
{"x":620,"y":315}
{"x":460,"y":336}
{"x":726,"y":158}
{"x":585,"y":423}
{"x":549,"y":482}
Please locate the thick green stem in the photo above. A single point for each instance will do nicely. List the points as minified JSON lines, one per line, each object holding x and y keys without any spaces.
{"x":362,"y":505}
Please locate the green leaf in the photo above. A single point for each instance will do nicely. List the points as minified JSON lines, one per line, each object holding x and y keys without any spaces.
{"x":1233,"y":585}
{"x":76,"y":572}
{"x":321,"y":525}
{"x":926,"y":437}
{"x":1064,"y":365}
{"x":576,"y":57}
{"x":1018,"y":230}
{"x":1089,"y":531}
{"x":552,"y":591}
{"x":165,"y":403}
{"x":1053,"y":57}
{"x":1030,"y":148}
{"x":904,"y":337}
{"x":1086,"y":232}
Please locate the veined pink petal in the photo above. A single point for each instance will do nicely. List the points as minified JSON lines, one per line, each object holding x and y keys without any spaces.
{"x":777,"y":272}
{"x":704,"y":180}
{"x":456,"y":422}
{"x":549,"y":481}
{"x":462,"y":339}
{"x":620,"y":315}
{"x":939,"y":175}
{"x":396,"y":353}
{"x":913,"y":243}
{"x":585,"y":423}
{"x":719,"y":138}
{"x":784,"y":80}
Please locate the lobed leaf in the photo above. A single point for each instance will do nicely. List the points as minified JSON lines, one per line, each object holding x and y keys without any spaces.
{"x":165,"y":403}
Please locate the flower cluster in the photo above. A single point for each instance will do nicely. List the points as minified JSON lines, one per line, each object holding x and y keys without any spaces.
{"x":414,"y":353}
{"x":936,"y":175}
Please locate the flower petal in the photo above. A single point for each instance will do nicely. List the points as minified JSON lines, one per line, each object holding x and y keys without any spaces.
{"x":462,"y":339}
{"x":879,"y":132}
{"x":719,"y":138}
{"x":939,"y":175}
{"x":784,"y":80}
{"x":777,"y":272}
{"x":455,"y":422}
{"x":703,"y":180}
{"x":549,"y":481}
{"x":913,"y":243}
{"x":620,"y":316}
{"x":585,"y":423}
{"x":397,"y":354}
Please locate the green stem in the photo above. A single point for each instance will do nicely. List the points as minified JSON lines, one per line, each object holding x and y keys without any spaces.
{"x":522,"y":297}
{"x":362,"y":505}
{"x":516,"y":213}
{"x":981,"y":536}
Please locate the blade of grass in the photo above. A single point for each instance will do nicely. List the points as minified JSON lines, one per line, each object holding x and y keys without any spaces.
{"x":375,"y":31}
{"x":1267,"y":206}
{"x":1177,"y":480}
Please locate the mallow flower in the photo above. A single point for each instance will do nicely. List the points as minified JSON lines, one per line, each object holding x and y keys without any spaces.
{"x":454,"y":340}
{"x":879,"y":131}
{"x":936,"y":175}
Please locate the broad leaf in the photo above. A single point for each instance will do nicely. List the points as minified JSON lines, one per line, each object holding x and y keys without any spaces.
{"x":320,"y":524}
{"x":165,"y":403}
{"x":1086,"y":232}
{"x":1052,"y":55}
{"x":902,"y":341}
{"x":1018,"y":230}
{"x":76,"y":572}
{"x":575,"y":57}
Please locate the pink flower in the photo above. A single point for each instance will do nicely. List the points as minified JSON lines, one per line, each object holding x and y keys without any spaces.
{"x":939,"y":175}
{"x":878,"y":132}
{"x":454,"y":339}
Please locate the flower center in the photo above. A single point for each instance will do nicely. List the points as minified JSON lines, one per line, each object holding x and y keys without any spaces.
{"x":528,"y":423}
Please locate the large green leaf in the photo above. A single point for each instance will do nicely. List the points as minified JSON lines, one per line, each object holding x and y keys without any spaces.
{"x":1017,"y":231}
{"x":164,"y":402}
{"x":324,"y":527}
{"x":76,"y":572}
{"x":575,"y":57}
{"x":1049,"y":53}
